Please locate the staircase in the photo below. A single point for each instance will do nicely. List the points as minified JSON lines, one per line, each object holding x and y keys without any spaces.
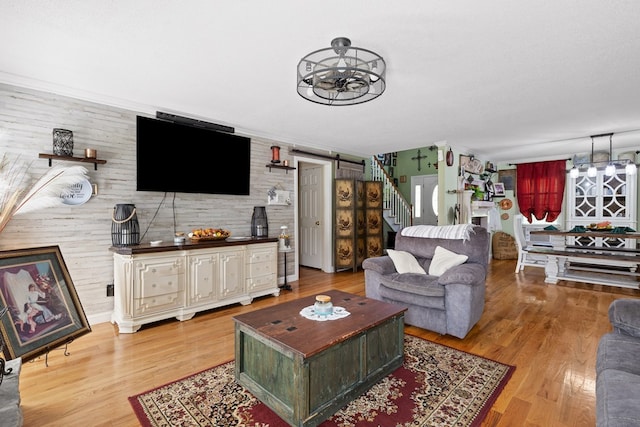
{"x":396,"y":210}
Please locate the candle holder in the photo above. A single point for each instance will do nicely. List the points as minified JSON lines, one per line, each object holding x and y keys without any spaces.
{"x":62,"y":142}
{"x":275,"y":154}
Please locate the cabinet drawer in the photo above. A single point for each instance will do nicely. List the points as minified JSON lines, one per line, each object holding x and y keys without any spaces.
{"x":154,"y":285}
{"x":268,"y":255}
{"x":261,"y":282}
{"x":153,"y":304}
{"x":261,"y":268}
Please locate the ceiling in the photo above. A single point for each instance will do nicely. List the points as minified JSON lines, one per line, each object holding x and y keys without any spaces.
{"x":501,"y":80}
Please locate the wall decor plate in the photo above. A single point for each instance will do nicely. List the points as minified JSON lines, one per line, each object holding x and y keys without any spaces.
{"x":504,"y":216}
{"x":582,"y":158}
{"x":506,"y":204}
{"x":629,"y":155}
{"x":78,"y":194}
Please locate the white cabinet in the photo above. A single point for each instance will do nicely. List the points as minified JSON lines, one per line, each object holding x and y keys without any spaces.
{"x":179,"y":281}
{"x":602,"y":198}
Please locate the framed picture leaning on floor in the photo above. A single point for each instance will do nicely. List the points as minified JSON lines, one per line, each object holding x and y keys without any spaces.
{"x":44,"y":311}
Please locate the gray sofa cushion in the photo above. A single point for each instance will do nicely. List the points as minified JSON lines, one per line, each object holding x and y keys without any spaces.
{"x":617,"y":399}
{"x":624,"y":315}
{"x":470,"y":274}
{"x":617,"y":367}
{"x":409,"y":289}
{"x":620,"y":352}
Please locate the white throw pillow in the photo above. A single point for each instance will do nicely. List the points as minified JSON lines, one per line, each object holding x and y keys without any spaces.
{"x":444,"y":259}
{"x":405,"y":262}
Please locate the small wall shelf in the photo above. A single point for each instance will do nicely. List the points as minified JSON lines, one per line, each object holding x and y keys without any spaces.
{"x":286,"y":168}
{"x":51,"y":157}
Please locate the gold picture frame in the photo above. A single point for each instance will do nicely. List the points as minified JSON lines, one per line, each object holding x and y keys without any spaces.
{"x":44,"y":311}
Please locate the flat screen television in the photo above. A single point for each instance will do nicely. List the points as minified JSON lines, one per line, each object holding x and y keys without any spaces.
{"x":180,"y":158}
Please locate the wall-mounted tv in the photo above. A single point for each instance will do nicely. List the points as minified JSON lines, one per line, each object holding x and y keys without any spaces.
{"x":175,"y":157}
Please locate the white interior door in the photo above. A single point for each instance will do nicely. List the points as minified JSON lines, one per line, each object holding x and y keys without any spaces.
{"x":311,"y":197}
{"x":424,"y":198}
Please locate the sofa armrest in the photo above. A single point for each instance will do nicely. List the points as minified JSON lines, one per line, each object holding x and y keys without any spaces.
{"x":465,"y":274}
{"x":381,"y":265}
{"x":10,"y":410}
{"x":624,"y":315}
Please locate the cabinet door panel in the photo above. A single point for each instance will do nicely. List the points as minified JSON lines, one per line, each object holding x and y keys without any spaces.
{"x":231,"y":273}
{"x":203,"y":278}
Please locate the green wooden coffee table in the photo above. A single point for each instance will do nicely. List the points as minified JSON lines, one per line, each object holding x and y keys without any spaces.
{"x":306,"y":370}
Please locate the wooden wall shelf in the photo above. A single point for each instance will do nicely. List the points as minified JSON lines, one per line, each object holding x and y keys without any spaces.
{"x":276,"y":166}
{"x":51,"y":157}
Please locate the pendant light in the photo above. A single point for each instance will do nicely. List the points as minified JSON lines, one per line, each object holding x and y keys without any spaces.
{"x":630,"y":169}
{"x":574,"y":172}
{"x":610,"y":170}
{"x":592,"y":171}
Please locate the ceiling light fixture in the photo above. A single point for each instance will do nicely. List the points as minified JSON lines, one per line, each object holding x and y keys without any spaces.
{"x":610,"y":170}
{"x":592,"y":171}
{"x":630,"y":166}
{"x":630,"y":169}
{"x":341,"y":74}
{"x":574,"y":172}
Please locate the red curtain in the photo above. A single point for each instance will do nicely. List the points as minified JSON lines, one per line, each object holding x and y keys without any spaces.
{"x":540,"y":189}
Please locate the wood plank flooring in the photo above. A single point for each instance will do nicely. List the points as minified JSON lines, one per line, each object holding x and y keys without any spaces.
{"x":549,"y":332}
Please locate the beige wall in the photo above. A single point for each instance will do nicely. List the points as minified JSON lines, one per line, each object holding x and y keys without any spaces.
{"x":83,"y":233}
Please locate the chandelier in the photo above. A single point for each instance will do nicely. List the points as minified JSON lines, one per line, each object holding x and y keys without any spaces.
{"x":341,"y":74}
{"x":611,"y":166}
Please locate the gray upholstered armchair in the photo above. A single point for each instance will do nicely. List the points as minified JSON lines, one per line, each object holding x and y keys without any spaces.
{"x":617,"y":367}
{"x":440,"y":297}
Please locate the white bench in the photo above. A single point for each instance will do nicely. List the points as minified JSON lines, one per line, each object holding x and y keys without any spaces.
{"x":600,"y":266}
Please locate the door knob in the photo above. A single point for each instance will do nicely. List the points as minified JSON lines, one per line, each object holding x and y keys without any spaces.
{"x":317,"y":222}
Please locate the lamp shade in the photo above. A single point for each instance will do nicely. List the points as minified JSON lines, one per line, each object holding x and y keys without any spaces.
{"x":574,"y":172}
{"x":630,"y":169}
{"x":610,"y":170}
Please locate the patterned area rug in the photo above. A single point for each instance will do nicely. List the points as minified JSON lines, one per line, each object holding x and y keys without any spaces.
{"x":436,"y":386}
